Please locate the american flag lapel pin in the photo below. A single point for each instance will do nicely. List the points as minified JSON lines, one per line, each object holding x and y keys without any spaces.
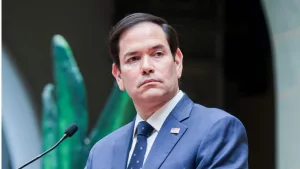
{"x":175,"y":130}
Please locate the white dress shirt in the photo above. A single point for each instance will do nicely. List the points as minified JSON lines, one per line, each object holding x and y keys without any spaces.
{"x":156,"y":120}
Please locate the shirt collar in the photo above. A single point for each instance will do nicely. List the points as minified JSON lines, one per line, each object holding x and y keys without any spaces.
{"x":157,"y":119}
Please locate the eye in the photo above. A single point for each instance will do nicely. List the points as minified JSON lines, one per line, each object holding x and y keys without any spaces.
{"x":158,"y":53}
{"x":132,"y":59}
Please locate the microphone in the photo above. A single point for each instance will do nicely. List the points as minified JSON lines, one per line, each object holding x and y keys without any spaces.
{"x":68,"y":133}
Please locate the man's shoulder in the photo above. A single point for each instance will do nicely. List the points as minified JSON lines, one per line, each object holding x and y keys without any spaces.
{"x":199,"y":110}
{"x":110,"y":138}
{"x":102,"y":149}
{"x":210,"y":115}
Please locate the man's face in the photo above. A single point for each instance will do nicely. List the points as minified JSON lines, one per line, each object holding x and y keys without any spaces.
{"x":148,"y":71}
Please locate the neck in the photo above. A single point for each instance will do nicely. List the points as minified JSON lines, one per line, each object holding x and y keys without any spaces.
{"x":146,"y":111}
{"x":146,"y":108}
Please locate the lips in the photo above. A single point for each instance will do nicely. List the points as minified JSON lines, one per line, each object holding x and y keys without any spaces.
{"x":149,"y":81}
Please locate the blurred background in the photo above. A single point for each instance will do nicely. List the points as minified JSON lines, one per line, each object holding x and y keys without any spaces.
{"x":241,"y":56}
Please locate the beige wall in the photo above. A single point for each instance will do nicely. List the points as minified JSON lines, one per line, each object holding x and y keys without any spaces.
{"x":284,"y":21}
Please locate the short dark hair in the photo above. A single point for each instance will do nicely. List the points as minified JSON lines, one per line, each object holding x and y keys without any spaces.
{"x":132,"y":20}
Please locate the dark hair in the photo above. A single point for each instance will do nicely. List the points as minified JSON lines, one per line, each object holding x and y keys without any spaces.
{"x":132,"y":20}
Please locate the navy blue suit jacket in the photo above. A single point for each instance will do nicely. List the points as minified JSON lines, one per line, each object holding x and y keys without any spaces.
{"x":208,"y":138}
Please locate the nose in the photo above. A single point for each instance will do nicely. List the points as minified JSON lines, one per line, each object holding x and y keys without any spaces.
{"x":146,"y":68}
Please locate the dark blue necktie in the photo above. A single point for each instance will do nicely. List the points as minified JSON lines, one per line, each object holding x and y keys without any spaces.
{"x":144,"y":130}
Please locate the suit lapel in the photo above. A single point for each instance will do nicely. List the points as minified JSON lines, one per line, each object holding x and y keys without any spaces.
{"x":121,"y":149}
{"x":165,"y":140}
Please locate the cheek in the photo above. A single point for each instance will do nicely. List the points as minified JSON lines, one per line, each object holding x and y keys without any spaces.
{"x":172,"y":70}
{"x":129,"y":79}
{"x":169,"y":73}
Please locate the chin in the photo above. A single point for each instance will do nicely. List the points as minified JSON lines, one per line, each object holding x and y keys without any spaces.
{"x":152,"y":94}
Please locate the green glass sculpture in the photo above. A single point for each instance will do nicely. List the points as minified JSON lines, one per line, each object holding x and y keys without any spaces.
{"x":64,"y":102}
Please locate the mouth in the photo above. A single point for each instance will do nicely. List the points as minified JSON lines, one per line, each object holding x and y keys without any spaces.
{"x":149,"y":81}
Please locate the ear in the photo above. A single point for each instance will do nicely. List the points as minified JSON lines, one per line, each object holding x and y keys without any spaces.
{"x":178,"y":62}
{"x":117,"y":74}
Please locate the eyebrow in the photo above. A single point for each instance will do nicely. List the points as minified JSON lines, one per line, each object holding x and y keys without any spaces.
{"x":159,"y":46}
{"x":130,"y":54}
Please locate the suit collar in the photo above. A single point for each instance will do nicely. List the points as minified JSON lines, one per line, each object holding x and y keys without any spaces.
{"x":161,"y":148}
{"x":166,"y":140}
{"x":157,"y":119}
{"x":121,"y":148}
{"x":183,"y":109}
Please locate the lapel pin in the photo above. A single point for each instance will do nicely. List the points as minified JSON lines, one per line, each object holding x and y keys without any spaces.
{"x":175,"y":130}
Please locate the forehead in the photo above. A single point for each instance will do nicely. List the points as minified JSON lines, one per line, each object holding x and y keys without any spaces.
{"x":142,"y":35}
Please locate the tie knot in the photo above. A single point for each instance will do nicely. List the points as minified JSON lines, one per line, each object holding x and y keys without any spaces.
{"x":144,"y":129}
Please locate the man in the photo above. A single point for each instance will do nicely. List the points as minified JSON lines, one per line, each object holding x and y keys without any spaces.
{"x":169,"y":131}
